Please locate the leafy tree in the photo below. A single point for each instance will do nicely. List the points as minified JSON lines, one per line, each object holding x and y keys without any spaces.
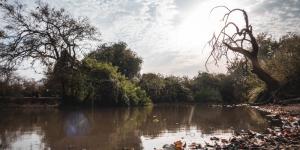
{"x":281,"y":57}
{"x":154,"y":85}
{"x":166,"y":89}
{"x":205,"y":80}
{"x":267,"y":46}
{"x":285,"y":60}
{"x":119,"y":55}
{"x":108,"y":87}
{"x":66,"y":75}
{"x":284,"y":63}
{"x":175,"y":91}
{"x":205,"y":88}
{"x":98,"y":83}
{"x":227,"y":89}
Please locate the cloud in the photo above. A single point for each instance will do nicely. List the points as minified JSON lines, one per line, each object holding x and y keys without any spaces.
{"x":170,"y":34}
{"x":277,"y":17}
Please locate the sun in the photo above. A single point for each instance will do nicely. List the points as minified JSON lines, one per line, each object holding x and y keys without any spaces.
{"x":199,"y":24}
{"x":194,"y":28}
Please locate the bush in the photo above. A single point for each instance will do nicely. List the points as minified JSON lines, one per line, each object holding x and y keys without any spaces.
{"x":208,"y":95}
{"x":108,"y":87}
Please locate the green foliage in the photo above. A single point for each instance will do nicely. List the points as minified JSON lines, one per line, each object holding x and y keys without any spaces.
{"x":65,"y":78}
{"x":285,"y":59}
{"x":208,"y":95}
{"x":226,"y":88}
{"x":254,"y":94}
{"x":284,"y":65}
{"x":15,"y":86}
{"x":108,"y":87}
{"x":154,"y":85}
{"x":281,"y":58}
{"x":165,"y":89}
{"x":206,"y":88}
{"x":266,"y":46}
{"x":176,"y":91}
{"x":135,"y":94}
{"x":243,"y":81}
{"x":119,"y":55}
{"x":98,"y":83}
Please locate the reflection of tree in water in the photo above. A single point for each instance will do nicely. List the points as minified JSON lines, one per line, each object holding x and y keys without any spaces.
{"x":204,"y":118}
{"x":114,"y":128}
{"x":127,"y":134}
{"x":210,"y":119}
{"x":15,"y":123}
{"x":78,"y":129}
{"x":169,"y":117}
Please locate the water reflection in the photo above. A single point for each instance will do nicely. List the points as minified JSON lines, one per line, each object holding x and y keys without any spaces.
{"x":76,"y":124}
{"x":116,"y":128}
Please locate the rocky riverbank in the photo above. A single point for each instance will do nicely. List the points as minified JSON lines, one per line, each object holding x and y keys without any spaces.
{"x":283,"y":134}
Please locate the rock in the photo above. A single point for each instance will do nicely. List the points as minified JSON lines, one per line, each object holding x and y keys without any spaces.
{"x":272,"y":116}
{"x":208,"y":145}
{"x":169,"y":147}
{"x":224,"y":141}
{"x":195,"y":146}
{"x":155,"y":120}
{"x":286,"y":135}
{"x":214,"y":139}
{"x":179,"y":145}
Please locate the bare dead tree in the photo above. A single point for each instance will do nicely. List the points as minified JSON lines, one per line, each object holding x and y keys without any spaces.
{"x":241,"y":41}
{"x":41,"y":34}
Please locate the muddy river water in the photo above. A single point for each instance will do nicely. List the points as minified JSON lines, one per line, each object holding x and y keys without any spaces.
{"x":117,"y":128}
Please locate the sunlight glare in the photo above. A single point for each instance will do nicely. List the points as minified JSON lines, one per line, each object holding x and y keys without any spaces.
{"x":199,"y":25}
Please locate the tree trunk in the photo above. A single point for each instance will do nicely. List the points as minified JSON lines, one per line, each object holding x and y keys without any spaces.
{"x":271,"y":83}
{"x":63,"y":94}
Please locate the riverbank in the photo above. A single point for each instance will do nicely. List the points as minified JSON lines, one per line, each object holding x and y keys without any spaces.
{"x":28,"y":102}
{"x":292,"y":109}
{"x":283,"y":134}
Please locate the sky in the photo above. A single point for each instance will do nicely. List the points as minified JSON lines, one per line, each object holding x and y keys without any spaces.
{"x":171,"y":35}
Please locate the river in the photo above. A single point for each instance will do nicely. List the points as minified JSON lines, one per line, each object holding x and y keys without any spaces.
{"x":117,"y":128}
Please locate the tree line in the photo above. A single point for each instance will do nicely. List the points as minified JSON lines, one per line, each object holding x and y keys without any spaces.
{"x":57,"y":40}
